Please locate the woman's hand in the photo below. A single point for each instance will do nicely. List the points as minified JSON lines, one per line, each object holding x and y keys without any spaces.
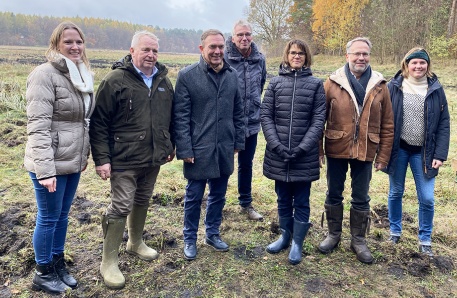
{"x":49,"y":183}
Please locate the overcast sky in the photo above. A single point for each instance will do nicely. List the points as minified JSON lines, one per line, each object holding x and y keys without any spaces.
{"x":185,"y":14}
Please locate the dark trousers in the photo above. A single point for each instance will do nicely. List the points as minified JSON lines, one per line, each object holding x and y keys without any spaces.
{"x":245,"y":159}
{"x":361,"y":172}
{"x":195,"y":190}
{"x":293,"y":199}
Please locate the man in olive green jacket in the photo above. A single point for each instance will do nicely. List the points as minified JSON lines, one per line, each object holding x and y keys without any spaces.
{"x":130,"y":139}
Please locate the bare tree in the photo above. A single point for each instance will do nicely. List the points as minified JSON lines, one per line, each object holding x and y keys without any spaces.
{"x":452,"y":20}
{"x":269,"y":19}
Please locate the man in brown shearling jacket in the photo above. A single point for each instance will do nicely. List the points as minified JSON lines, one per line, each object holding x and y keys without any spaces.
{"x":359,"y":130}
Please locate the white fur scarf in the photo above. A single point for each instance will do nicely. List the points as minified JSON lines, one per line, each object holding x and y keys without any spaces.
{"x":82,"y":79}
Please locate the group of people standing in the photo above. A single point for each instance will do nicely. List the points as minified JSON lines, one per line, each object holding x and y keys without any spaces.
{"x":137,"y":122}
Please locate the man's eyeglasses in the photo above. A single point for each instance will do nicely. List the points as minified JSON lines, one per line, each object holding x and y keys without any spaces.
{"x":293,"y":54}
{"x":364,"y":55}
{"x":241,"y":35}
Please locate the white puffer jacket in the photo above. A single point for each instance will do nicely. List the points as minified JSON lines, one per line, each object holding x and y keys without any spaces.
{"x":58,"y":134}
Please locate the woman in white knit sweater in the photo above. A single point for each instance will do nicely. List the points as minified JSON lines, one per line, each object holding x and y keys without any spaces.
{"x":421,"y":140}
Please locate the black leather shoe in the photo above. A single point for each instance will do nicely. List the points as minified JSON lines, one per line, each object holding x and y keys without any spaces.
{"x":190,"y":250}
{"x":216,"y":242}
{"x":62,"y":272}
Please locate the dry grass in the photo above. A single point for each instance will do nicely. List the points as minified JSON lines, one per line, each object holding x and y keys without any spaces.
{"x":246,"y":270}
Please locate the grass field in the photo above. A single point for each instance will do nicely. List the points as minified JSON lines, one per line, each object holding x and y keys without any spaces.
{"x":246,"y":270}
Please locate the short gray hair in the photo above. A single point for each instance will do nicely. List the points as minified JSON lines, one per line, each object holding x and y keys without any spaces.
{"x":363,"y":39}
{"x":208,"y":33}
{"x":136,"y":37}
{"x":241,"y":23}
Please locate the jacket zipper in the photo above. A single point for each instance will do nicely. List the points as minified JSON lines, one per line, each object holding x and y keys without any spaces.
{"x":425,"y":138}
{"x":291,"y":119}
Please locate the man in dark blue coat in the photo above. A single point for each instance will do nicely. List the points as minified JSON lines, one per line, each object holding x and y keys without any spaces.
{"x":208,"y":128}
{"x":243,"y":55}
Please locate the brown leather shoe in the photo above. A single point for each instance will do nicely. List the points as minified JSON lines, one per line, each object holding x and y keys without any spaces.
{"x":252,"y":214}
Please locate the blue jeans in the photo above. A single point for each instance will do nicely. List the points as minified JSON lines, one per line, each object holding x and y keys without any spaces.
{"x":293,"y":199}
{"x":245,"y":159}
{"x":192,"y":206}
{"x":425,"y":195}
{"x":361,"y":172}
{"x":52,"y":218}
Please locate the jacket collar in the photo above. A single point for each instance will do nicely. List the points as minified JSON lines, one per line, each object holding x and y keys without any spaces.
{"x":232,"y":52}
{"x":433,"y":82}
{"x":339,"y":77}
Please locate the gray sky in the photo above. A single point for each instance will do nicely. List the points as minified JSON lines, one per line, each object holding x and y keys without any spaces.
{"x":185,"y":14}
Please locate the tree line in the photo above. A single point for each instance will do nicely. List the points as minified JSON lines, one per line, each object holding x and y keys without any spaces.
{"x":394,"y":26}
{"x":32,"y":30}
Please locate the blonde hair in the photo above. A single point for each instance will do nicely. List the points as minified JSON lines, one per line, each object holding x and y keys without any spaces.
{"x":56,"y":36}
{"x":404,"y":63}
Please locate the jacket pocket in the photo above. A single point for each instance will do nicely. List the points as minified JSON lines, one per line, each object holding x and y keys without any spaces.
{"x":334,"y":134}
{"x":162,"y":146}
{"x":128,"y":146}
{"x":372,"y":145}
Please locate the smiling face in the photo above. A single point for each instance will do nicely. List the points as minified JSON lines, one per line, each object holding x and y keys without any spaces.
{"x":242,"y":38}
{"x":296,"y":57}
{"x":417,"y":68}
{"x":71,"y":45}
{"x":358,"y":57}
{"x":144,"y":54}
{"x":212,"y":50}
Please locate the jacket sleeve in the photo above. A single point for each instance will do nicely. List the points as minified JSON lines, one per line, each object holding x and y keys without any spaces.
{"x":267,"y":117}
{"x":40,"y":107}
{"x":386,"y":136}
{"x":314,"y":133}
{"x":182,"y":109}
{"x":327,"y":101}
{"x":264,"y":75}
{"x":442,"y":133}
{"x":100,"y":123}
{"x":239,"y":121}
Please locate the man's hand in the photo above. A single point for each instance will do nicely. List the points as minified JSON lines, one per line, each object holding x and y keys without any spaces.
{"x":49,"y":183}
{"x":104,"y":171}
{"x":436,"y":163}
{"x":321,"y":161}
{"x":171,"y":156}
{"x":188,"y":159}
{"x":379,"y":166}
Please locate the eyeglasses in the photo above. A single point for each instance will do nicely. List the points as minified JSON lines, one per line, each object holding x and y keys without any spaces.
{"x":293,"y":54}
{"x":241,"y":35}
{"x":364,"y":55}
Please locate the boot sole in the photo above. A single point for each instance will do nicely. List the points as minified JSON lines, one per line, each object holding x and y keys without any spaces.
{"x":362,"y":261}
{"x":273,"y":252}
{"x":326,"y":252}
{"x":141,"y":257}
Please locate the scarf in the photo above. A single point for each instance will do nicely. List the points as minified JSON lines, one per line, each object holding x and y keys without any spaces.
{"x":82,"y":80}
{"x":358,"y":86}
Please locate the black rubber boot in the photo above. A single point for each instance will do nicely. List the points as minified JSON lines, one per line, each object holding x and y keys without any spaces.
{"x":360,"y":224}
{"x":46,"y":279}
{"x":334,"y":216}
{"x":286,"y":225}
{"x":62,"y":272}
{"x":300,"y":232}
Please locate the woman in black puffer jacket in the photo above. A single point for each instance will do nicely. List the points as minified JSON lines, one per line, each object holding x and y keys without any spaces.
{"x":292,"y":117}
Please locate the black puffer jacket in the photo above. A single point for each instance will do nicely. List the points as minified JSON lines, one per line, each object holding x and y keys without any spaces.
{"x":293,"y":115}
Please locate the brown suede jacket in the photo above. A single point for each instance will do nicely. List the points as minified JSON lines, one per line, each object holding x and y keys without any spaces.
{"x":353,"y":135}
